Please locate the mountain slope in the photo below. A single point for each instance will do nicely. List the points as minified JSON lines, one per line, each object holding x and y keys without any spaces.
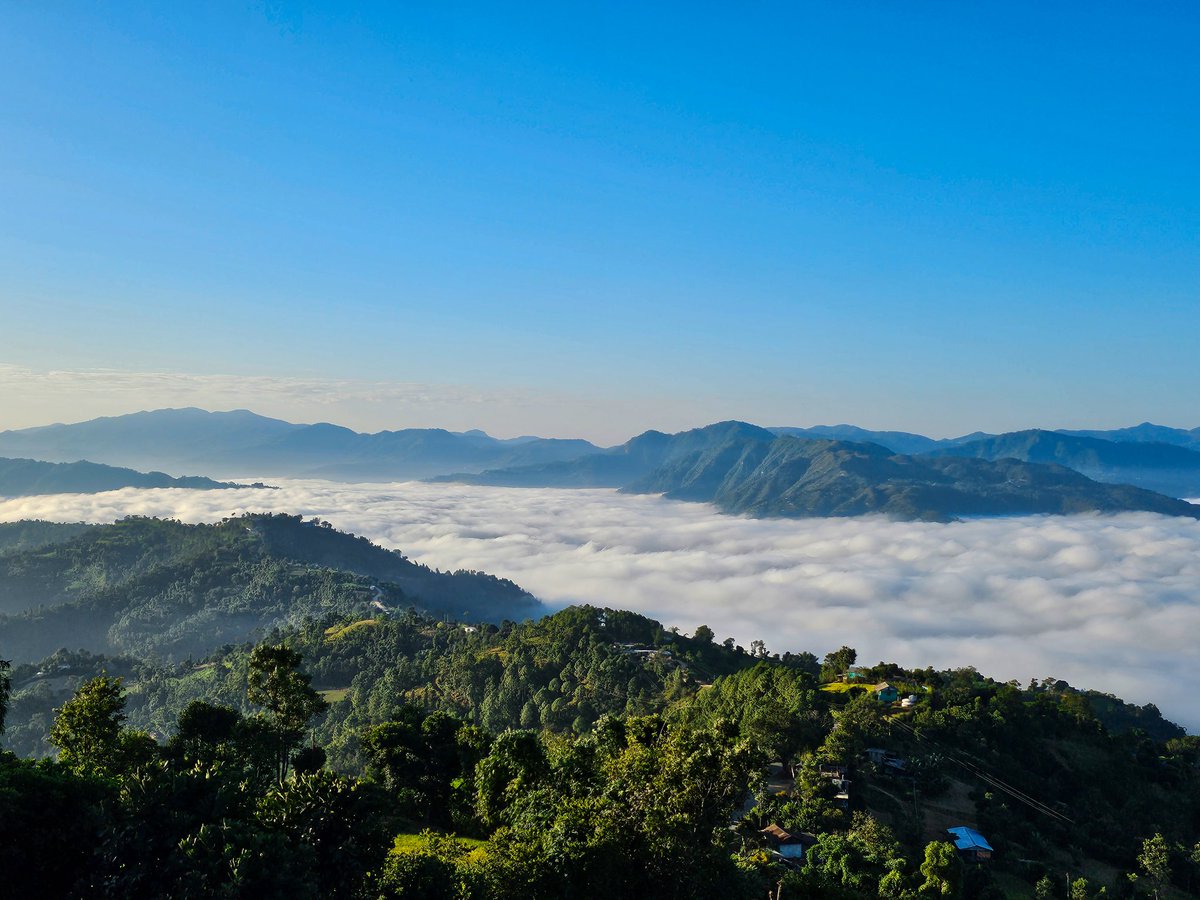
{"x":745,"y":469}
{"x":618,"y":466}
{"x":793,"y":477}
{"x":1145,"y":433}
{"x":162,"y":588}
{"x":29,"y":477}
{"x":896,"y":441}
{"x":1166,"y":468}
{"x":237,"y":442}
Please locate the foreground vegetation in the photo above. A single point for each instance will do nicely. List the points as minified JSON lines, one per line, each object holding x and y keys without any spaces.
{"x":590,"y":753}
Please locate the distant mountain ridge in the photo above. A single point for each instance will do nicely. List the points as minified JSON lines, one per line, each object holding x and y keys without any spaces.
{"x":617,"y":466}
{"x":1154,"y":457}
{"x":744,"y":469}
{"x":29,"y":477}
{"x":241,"y":442}
{"x":799,"y":478}
{"x":1167,"y":468}
{"x":1145,"y":433}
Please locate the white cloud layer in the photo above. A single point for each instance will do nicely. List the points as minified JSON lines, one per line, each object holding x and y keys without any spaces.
{"x":1111,"y":603}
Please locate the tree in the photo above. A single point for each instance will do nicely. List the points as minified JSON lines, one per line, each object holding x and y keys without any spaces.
{"x":5,"y":688}
{"x":1155,"y":861}
{"x":87,"y":730}
{"x":941,"y":869}
{"x":1044,"y":889}
{"x":274,"y":681}
{"x":837,"y":663}
{"x":703,"y":634}
{"x":340,"y":824}
{"x":516,"y":763}
{"x":49,"y":822}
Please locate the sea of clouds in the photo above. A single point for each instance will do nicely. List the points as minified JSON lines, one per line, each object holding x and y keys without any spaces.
{"x":1105,"y":602}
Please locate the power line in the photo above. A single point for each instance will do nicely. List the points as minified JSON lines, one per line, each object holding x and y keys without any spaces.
{"x":955,"y":757}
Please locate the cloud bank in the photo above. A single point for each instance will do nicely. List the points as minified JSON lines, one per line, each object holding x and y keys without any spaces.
{"x":1105,"y":602}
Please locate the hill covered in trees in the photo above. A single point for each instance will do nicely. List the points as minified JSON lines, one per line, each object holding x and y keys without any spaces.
{"x":588,"y":754}
{"x":748,"y":470}
{"x":160,"y":588}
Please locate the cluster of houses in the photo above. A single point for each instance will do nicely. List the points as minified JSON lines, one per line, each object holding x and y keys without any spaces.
{"x":791,"y":847}
{"x":644,"y":652}
{"x":883,"y":692}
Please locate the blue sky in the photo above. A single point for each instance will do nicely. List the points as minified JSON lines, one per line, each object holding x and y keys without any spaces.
{"x":593,"y":219}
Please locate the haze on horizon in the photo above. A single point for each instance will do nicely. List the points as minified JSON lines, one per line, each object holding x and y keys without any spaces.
{"x":590,"y":222}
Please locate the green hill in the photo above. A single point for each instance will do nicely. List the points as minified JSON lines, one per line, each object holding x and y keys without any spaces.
{"x":162,"y":588}
{"x":793,"y":477}
{"x":747,"y":470}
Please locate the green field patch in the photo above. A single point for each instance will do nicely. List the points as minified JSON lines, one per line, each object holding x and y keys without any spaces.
{"x":334,"y":695}
{"x":841,"y":687}
{"x":335,"y":632}
{"x":415,"y":843}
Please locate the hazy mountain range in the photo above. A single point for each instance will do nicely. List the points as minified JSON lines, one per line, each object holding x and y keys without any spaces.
{"x":745,"y":469}
{"x":26,"y":477}
{"x":240,"y":442}
{"x":742,"y":468}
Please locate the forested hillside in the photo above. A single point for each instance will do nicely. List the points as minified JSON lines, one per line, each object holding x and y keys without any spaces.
{"x":747,"y":470}
{"x":159,"y":588}
{"x":588,"y":754}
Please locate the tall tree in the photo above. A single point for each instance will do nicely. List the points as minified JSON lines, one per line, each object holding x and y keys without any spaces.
{"x":942,"y":870}
{"x":5,"y":688}
{"x":1155,"y":861}
{"x":87,"y":730}
{"x":837,"y":663}
{"x":275,"y":682}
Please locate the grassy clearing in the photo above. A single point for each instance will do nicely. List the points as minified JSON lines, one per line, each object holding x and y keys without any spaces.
{"x":334,"y":695}
{"x":414,"y":843}
{"x":334,"y":632}
{"x":841,"y":687}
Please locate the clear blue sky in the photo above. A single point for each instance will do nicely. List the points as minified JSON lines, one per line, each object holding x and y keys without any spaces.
{"x":594,"y":218}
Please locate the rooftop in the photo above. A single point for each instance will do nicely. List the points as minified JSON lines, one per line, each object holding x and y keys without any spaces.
{"x":968,"y":839}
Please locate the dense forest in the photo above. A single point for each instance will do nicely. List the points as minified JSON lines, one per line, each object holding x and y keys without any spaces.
{"x":591,"y":753}
{"x":158,"y":588}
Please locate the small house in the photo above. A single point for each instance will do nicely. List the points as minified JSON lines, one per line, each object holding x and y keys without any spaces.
{"x":787,"y":844}
{"x":970,"y":844}
{"x":841,"y":797}
{"x":886,"y":693}
{"x":887,"y":761}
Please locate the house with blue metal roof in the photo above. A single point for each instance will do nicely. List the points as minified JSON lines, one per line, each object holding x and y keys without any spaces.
{"x":971,"y":845}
